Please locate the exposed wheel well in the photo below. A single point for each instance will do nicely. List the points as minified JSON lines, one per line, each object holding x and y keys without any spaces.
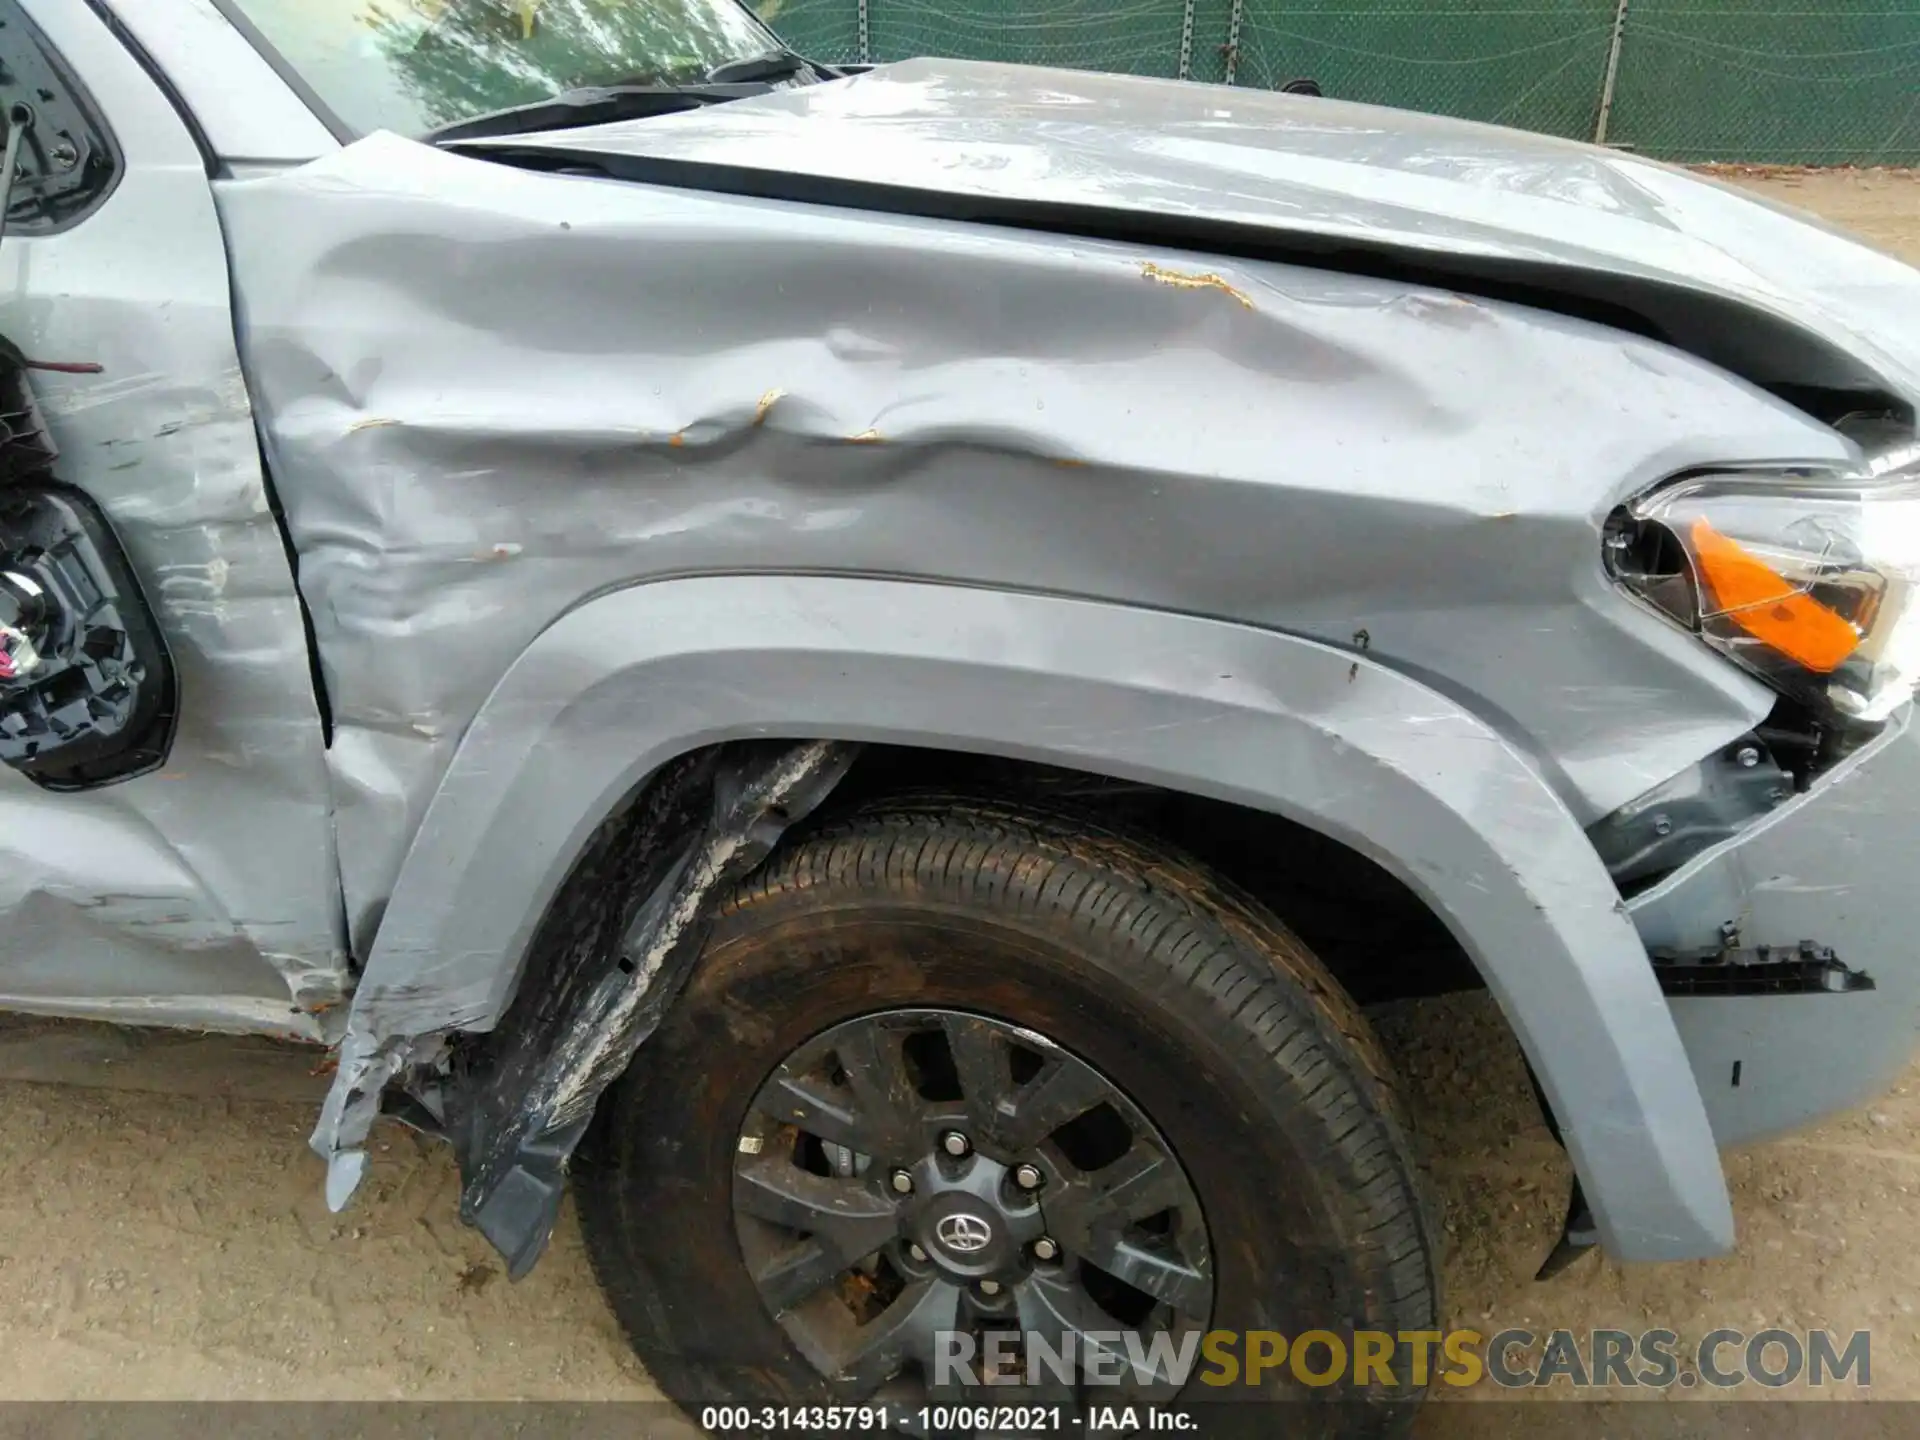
{"x":1377,"y":937}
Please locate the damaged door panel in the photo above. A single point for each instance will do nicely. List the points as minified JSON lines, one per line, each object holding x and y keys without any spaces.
{"x":180,"y":869}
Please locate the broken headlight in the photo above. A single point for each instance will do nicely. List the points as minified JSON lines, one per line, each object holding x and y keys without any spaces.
{"x":1808,"y":579}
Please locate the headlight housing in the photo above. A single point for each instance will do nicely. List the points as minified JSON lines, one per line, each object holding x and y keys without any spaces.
{"x":1808,"y":579}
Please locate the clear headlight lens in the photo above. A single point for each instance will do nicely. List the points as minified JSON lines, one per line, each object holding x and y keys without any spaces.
{"x":1809,"y":580}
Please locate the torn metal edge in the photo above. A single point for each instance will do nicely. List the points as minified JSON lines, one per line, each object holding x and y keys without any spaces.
{"x":705,"y":822}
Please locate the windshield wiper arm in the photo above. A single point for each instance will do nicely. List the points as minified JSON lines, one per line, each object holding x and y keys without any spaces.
{"x":592,"y":105}
{"x":772,"y":65}
{"x":636,"y":99}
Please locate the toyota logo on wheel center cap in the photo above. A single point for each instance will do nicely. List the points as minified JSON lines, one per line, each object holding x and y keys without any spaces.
{"x":963,"y":1234}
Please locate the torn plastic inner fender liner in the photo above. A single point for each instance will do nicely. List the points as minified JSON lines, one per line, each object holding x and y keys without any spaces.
{"x":613,"y":954}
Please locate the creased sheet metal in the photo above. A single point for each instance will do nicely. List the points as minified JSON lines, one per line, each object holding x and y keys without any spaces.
{"x":634,"y":680}
{"x":1318,"y":170}
{"x":493,"y":393}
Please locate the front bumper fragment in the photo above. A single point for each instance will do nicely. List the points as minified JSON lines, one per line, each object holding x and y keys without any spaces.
{"x":1837,"y":866}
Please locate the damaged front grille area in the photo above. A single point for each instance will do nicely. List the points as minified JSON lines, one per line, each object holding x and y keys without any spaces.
{"x":1805,"y":969}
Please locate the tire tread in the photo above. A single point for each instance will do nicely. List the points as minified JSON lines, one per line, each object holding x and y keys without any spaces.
{"x":1190,"y":940}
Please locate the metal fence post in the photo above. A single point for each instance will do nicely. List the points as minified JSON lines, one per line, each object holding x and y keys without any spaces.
{"x":866,"y":51}
{"x":1186,"y":42}
{"x":1613,"y":74}
{"x":1233,"y":39}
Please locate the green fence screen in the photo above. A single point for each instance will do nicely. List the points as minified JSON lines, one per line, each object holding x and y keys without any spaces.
{"x":1759,"y":81}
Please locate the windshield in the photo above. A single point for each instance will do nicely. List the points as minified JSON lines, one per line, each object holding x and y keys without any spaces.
{"x":416,"y":65}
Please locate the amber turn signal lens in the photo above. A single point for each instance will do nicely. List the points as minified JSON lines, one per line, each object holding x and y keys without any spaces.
{"x":1761,"y":602}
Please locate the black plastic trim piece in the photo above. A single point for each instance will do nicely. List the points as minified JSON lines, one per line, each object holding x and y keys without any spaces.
{"x":1805,"y":969}
{"x":611,"y":956}
{"x":97,"y":700}
{"x":87,"y":110}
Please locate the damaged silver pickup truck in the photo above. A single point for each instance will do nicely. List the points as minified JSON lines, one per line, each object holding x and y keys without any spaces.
{"x":872,"y":667}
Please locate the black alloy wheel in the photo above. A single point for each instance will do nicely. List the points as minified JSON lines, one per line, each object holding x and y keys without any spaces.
{"x":959,"y":1081}
{"x":914,"y":1175}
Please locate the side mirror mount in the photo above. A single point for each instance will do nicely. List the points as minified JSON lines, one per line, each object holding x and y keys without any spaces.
{"x":87,"y":689}
{"x":87,"y":692}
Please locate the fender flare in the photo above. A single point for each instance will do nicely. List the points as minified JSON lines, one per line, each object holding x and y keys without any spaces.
{"x":1325,"y":737}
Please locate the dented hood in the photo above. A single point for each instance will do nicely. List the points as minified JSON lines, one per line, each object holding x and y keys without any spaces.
{"x":1774,"y":294}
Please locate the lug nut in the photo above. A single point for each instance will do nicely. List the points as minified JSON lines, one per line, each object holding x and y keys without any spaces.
{"x":1747,"y":756}
{"x":1027,"y":1177}
{"x":955,"y":1144}
{"x":917,"y":1254}
{"x":902,"y":1183}
{"x":1045,"y":1249}
{"x":989,"y":1287}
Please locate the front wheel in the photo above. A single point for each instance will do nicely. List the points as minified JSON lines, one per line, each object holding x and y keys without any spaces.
{"x":965,"y":1105}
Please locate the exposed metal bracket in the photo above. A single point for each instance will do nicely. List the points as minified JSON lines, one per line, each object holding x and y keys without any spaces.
{"x":1655,"y":833}
{"x":1612,"y":76}
{"x":866,"y":48}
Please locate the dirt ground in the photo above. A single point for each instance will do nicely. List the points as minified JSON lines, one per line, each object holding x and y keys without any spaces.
{"x":176,"y":1245}
{"x":1880,"y":206}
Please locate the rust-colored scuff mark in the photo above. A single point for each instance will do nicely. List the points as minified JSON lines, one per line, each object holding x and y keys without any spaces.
{"x":1160,"y":275}
{"x":372,"y":422}
{"x":866,"y":437}
{"x":68,"y":367}
{"x":677,"y":439}
{"x":1067,"y":462}
{"x":1444,"y":307}
{"x":767,"y":402}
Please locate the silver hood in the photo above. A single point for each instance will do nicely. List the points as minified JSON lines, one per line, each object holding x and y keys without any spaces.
{"x":1772,"y":294}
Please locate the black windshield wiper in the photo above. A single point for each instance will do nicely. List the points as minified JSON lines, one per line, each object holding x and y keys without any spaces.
{"x":594,"y":105}
{"x":773,"y":65}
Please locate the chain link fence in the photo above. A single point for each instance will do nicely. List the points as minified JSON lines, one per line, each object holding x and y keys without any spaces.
{"x":1754,"y":81}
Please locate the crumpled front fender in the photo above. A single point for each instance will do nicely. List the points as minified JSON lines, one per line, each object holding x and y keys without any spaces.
{"x":1325,"y":737}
